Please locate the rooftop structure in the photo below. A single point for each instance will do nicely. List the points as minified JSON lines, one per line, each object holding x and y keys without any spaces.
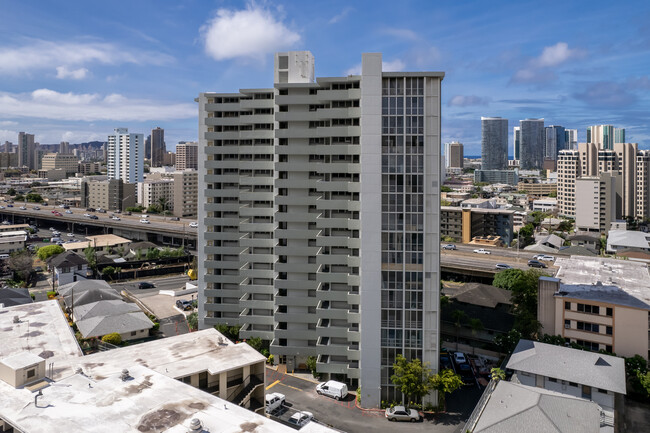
{"x":619,"y":240}
{"x":99,"y":242}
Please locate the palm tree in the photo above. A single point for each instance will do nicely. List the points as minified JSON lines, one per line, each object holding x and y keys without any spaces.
{"x":162,"y":201}
{"x":459,"y":316}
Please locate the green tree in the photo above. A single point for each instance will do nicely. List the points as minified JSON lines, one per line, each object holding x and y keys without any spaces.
{"x":255,"y":343}
{"x":507,"y":342}
{"x":109,"y":271}
{"x":311,"y":365}
{"x":636,"y":363}
{"x":46,"y":252}
{"x":526,"y":235}
{"x":644,"y":381}
{"x":523,"y":285}
{"x":112,"y":338}
{"x":414,"y":379}
{"x":459,"y":317}
{"x":230,"y":332}
{"x":154,"y":208}
{"x":19,"y":197}
{"x":11,"y":192}
{"x":497,"y":374}
{"x":21,"y":263}
{"x":193,"y":321}
{"x":556,"y":340}
{"x":153,"y":253}
{"x":134,"y":209}
{"x":445,"y":188}
{"x":552,"y":194}
{"x":91,"y":257}
{"x":475,"y":325}
{"x":34,"y":197}
{"x":446,"y":382}
{"x":508,"y":278}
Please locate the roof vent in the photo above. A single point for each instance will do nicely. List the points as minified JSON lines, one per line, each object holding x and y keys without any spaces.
{"x":601,"y":362}
{"x":195,"y":426}
{"x":78,"y":370}
{"x":16,"y":319}
{"x":125,"y":375}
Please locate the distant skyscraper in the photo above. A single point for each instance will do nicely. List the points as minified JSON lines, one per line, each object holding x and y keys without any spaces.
{"x":619,"y":135}
{"x":516,"y":142}
{"x":187,"y":155}
{"x":532,"y":144}
{"x":602,"y":135}
{"x":555,"y":141}
{"x":125,"y":156}
{"x":8,"y":147}
{"x":158,"y":149}
{"x":494,"y":143}
{"x":27,"y":151}
{"x":454,"y":155}
{"x":571,"y":139}
{"x":64,"y":148}
{"x":147,"y":148}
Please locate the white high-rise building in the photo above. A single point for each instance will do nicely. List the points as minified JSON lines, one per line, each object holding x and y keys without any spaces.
{"x":319,"y":218}
{"x":571,"y":139}
{"x":125,"y":156}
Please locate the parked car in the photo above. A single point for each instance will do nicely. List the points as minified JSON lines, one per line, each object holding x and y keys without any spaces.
{"x":274,"y":401}
{"x":546,"y":258}
{"x":459,"y":357}
{"x":65,"y":206}
{"x":400,"y":413}
{"x":536,"y":264}
{"x":445,"y":362}
{"x":146,"y":285}
{"x":144,"y":221}
{"x":194,"y":224}
{"x":301,"y":418}
{"x":332,"y":388}
{"x":466,"y":373}
{"x":127,"y":213}
{"x":482,"y":251}
{"x":5,"y":223}
{"x":502,"y":266}
{"x":449,"y":247}
{"x":184,"y":305}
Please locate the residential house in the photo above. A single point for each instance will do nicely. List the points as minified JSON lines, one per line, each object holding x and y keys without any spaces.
{"x":68,"y":267}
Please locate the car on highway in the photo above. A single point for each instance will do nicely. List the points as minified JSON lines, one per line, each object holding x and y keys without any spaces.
{"x":546,"y":258}
{"x":174,"y":219}
{"x":65,"y":206}
{"x":502,"y":266}
{"x":68,"y":211}
{"x":146,"y":285}
{"x":55,"y":239}
{"x":100,"y":210}
{"x":94,"y":217}
{"x":482,"y":251}
{"x":62,"y":206}
{"x":90,"y":209}
{"x":56,"y":233}
{"x":70,"y":235}
{"x":10,"y":205}
{"x":194,"y":224}
{"x":5,"y":223}
{"x":274,"y":401}
{"x":2,"y":207}
{"x":36,"y":208}
{"x":22,"y":208}
{"x":400,"y":413}
{"x":115,"y":218}
{"x":144,"y":221}
{"x":57,"y":213}
{"x":449,"y":247}
{"x":536,"y":264}
{"x":301,"y":418}
{"x":459,"y":357}
{"x":87,"y":215}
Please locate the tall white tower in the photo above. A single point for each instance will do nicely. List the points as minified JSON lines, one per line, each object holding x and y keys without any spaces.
{"x":125,"y":156}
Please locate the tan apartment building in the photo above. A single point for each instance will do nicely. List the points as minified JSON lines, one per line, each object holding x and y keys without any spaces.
{"x":186,"y":193}
{"x":595,"y":200}
{"x":55,"y":161}
{"x":625,"y":162}
{"x":539,"y":189}
{"x":156,"y":190}
{"x":110,"y":194}
{"x":466,"y":224}
{"x":600,"y":304}
{"x":187,"y":154}
{"x":89,"y":167}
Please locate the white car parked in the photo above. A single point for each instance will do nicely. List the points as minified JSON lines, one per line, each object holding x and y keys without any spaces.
{"x":301,"y":418}
{"x":274,"y":401}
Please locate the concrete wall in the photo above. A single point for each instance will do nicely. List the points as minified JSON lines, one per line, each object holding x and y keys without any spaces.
{"x":142,"y":333}
{"x":18,"y":377}
{"x":630,"y":332}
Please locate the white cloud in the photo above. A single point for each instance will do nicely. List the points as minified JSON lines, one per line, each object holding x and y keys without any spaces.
{"x":50,"y":104}
{"x":8,"y":123}
{"x":39,"y":54}
{"x":540,"y":69}
{"x":62,"y":72}
{"x":392,"y":66}
{"x":7,"y":135}
{"x":401,"y":34}
{"x":467,"y":101}
{"x":249,"y":33}
{"x":340,"y":16}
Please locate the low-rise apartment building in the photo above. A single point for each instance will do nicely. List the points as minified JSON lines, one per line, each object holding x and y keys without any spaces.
{"x":510,"y":177}
{"x":465,"y":224}
{"x":55,"y":161}
{"x":600,"y":304}
{"x":538,"y":189}
{"x":110,"y":194}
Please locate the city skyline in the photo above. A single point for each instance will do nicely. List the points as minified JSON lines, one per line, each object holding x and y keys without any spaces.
{"x":65,"y":80}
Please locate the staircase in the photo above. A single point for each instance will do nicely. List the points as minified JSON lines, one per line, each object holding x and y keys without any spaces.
{"x":246,"y":392}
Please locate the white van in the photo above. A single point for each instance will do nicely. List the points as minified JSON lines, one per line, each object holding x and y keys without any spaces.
{"x":333,"y":389}
{"x":4,"y":256}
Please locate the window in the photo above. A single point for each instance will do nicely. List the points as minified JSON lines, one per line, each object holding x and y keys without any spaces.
{"x":567,"y":324}
{"x":586,"y":308}
{"x":567,"y":305}
{"x":610,"y":312}
{"x":609,"y":330}
{"x":552,"y":379}
{"x":133,"y":333}
{"x":573,"y":384}
{"x":602,"y":391}
{"x":31,"y":373}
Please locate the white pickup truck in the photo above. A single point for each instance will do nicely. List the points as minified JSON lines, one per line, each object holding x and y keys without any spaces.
{"x":274,"y":401}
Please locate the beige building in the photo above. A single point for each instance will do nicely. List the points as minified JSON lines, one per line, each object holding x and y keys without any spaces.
{"x":594,"y":201}
{"x":55,"y":161}
{"x":8,"y":160}
{"x":108,"y":194}
{"x":454,"y":156}
{"x":53,"y":174}
{"x":538,"y":189}
{"x":186,"y":193}
{"x":89,"y":167}
{"x":629,"y":166}
{"x":156,"y":190}
{"x":12,"y":241}
{"x":100,"y":243}
{"x":598,"y":303}
{"x":468,"y":224}
{"x":187,"y":154}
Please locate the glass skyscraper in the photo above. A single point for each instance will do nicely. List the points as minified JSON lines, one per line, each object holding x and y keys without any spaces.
{"x":494,"y":143}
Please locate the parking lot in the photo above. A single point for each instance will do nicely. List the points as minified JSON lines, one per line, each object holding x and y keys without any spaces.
{"x":344,"y":415}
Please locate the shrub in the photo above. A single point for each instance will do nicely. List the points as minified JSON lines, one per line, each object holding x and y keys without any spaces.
{"x":311,"y":365}
{"x":113,"y":338}
{"x":45,"y":253}
{"x":270,"y":359}
{"x":193,"y":321}
{"x":51,"y":294}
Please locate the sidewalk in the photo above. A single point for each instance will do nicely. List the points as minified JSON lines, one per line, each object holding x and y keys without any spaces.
{"x":281,"y":368}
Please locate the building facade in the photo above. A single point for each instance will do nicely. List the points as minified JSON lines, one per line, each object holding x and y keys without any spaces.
{"x":555,"y":141}
{"x":532,"y":145}
{"x":55,"y":161}
{"x":27,"y":151}
{"x":602,"y":135}
{"x":187,"y":153}
{"x":594,"y":202}
{"x":156,"y":192}
{"x":510,"y":177}
{"x":347,"y":182}
{"x":454,"y":155}
{"x":516,"y":142}
{"x":158,"y":149}
{"x":494,"y":143}
{"x":186,"y":193}
{"x":125,"y":156}
{"x":571,"y":139}
{"x":110,"y":194}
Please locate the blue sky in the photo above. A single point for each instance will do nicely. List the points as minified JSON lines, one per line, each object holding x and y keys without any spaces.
{"x":75,"y":70}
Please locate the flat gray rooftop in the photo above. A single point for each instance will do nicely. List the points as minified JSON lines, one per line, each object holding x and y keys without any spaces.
{"x":603,"y":279}
{"x":148,"y":402}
